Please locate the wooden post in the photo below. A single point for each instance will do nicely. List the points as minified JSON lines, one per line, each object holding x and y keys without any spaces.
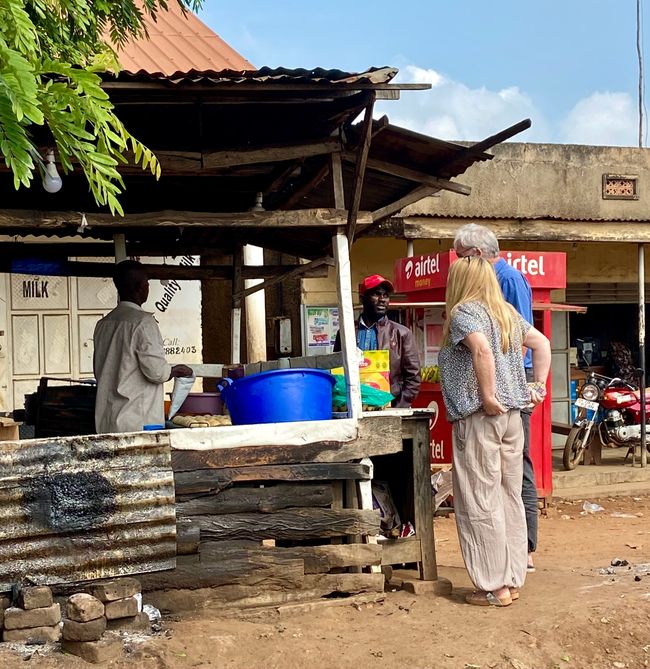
{"x":346,"y":322}
{"x":120,"y":247}
{"x":237,"y":286}
{"x":422,"y":498}
{"x":336,"y":170}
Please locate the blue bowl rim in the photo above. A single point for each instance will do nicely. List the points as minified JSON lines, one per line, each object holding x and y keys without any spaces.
{"x":273,"y":372}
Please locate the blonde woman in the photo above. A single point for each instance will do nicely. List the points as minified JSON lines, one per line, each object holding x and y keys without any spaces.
{"x":484,"y":388}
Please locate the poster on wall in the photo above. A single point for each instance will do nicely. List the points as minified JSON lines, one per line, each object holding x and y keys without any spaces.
{"x":320,"y":325}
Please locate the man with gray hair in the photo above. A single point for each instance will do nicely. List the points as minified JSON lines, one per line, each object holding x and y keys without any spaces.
{"x":477,"y":240}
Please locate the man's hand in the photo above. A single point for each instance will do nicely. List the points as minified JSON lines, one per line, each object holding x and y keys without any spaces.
{"x":181,"y":370}
{"x":493,"y":407}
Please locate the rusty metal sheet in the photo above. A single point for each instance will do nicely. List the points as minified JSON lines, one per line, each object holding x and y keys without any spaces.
{"x":83,"y":508}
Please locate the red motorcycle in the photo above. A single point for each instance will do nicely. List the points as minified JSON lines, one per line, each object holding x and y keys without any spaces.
{"x":612,"y":409}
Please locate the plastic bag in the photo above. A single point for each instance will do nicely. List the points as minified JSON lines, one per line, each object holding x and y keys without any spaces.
{"x":182,"y":387}
{"x":382,"y":500}
{"x":371,"y":398}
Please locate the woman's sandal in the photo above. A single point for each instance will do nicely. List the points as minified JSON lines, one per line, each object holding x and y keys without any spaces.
{"x":479,"y":598}
{"x":514,"y":594}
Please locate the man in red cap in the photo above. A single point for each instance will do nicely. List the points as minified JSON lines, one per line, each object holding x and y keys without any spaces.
{"x":375,"y":331}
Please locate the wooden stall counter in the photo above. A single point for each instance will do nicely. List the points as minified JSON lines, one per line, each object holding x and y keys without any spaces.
{"x":282,"y":513}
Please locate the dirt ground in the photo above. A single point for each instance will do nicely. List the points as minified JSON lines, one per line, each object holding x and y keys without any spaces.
{"x":570,"y":616}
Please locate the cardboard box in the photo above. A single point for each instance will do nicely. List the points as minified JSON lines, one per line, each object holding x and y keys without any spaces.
{"x":9,"y":429}
{"x":374,"y":369}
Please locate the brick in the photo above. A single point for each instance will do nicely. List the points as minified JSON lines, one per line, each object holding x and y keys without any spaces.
{"x":19,"y":619}
{"x":119,"y":588}
{"x":90,"y":631}
{"x":33,"y":635}
{"x":83,"y":608}
{"x":107,"y":648}
{"x":139,"y":623}
{"x":36,"y":597}
{"x":121,"y":608}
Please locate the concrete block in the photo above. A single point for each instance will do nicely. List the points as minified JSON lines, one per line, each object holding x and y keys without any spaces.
{"x":83,"y":608}
{"x":443,"y":587}
{"x":119,"y":588}
{"x":36,"y":597}
{"x":107,"y":648}
{"x":139,"y":623}
{"x":20,"y":619}
{"x":121,"y":608}
{"x":89,"y":631}
{"x":417,"y":587}
{"x":33,"y":635}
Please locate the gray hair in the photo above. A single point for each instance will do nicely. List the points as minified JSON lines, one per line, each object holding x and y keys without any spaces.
{"x":472,"y":236}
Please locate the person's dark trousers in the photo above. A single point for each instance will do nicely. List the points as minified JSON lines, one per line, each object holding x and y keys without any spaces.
{"x":528,"y":487}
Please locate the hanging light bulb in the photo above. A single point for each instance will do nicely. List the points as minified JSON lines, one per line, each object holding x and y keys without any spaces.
{"x":259,"y":199}
{"x":52,"y":182}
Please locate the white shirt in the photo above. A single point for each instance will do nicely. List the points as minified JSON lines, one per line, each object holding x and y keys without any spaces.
{"x":130,"y":369}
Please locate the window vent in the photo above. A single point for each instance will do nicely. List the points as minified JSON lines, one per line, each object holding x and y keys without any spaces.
{"x":620,"y":187}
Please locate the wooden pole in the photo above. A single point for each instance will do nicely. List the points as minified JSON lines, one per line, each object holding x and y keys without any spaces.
{"x":120,"y":247}
{"x":346,"y":322}
{"x":235,"y":321}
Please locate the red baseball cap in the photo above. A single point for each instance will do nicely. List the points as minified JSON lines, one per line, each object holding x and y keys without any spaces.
{"x":373,"y":281}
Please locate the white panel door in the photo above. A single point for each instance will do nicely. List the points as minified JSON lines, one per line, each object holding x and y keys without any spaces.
{"x":56,"y":344}
{"x":87,"y":324}
{"x":25,"y":345}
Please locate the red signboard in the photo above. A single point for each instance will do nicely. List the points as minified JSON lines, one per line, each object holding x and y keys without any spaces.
{"x":543,"y":269}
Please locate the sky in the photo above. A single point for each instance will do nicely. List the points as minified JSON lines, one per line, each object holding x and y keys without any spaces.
{"x":570,"y":66}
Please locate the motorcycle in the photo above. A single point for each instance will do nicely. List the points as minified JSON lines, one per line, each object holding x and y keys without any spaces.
{"x":610,"y":409}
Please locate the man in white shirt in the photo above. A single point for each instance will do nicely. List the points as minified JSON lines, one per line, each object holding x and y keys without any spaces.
{"x":129,"y":361}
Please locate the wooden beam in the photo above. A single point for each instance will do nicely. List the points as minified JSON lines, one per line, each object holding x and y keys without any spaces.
{"x":413,"y":175}
{"x":51,"y":220}
{"x":414,"y":196}
{"x":304,"y":189}
{"x":360,"y":168}
{"x":269,"y":154}
{"x":294,"y":273}
{"x":542,"y":230}
{"x":336,"y":170}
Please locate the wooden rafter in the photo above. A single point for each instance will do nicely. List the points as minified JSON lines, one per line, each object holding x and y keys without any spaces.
{"x":305,"y":188}
{"x":360,"y":168}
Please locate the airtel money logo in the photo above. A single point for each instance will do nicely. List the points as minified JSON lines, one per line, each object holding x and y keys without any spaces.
{"x":408,"y":269}
{"x":423,"y":266}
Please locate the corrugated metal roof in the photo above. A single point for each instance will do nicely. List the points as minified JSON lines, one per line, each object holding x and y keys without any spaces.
{"x":75,"y":509}
{"x":179,"y":42}
{"x":318,"y":75}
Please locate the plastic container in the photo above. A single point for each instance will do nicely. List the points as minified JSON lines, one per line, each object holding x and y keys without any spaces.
{"x":201,"y":404}
{"x":152,"y":427}
{"x":279,"y":396}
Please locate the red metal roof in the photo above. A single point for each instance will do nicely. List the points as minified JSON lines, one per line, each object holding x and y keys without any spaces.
{"x":179,"y":42}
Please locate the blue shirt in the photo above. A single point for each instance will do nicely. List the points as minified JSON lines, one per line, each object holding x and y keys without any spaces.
{"x":367,"y":336}
{"x":516,"y":291}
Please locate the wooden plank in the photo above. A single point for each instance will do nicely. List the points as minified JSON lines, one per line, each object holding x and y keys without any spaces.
{"x":367,"y":444}
{"x":290,"y":524}
{"x":539,"y":230}
{"x":298,"y":271}
{"x":345,"y":583}
{"x":188,"y":536}
{"x":400,"y":551}
{"x":336,"y":170}
{"x":310,"y":218}
{"x":267,"y":571}
{"x":269,"y":154}
{"x":206,"y":480}
{"x":305,"y":188}
{"x":261,"y":500}
{"x":394,"y":207}
{"x":317,"y":559}
{"x":422,"y":497}
{"x":360,"y":168}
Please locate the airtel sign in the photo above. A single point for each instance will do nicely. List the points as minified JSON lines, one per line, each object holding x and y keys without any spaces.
{"x":543,"y":269}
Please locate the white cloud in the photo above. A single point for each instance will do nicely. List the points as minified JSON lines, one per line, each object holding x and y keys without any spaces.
{"x":453,"y":111}
{"x":603,"y":118}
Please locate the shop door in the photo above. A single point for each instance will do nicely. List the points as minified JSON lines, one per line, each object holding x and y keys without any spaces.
{"x":560,"y":374}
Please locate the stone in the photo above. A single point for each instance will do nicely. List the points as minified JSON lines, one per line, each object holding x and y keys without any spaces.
{"x":88,"y":631}
{"x":119,"y":588}
{"x":121,"y":608}
{"x":45,"y":617}
{"x":443,"y":587}
{"x":83,"y":608}
{"x":33,"y":635}
{"x":139,"y":623}
{"x":107,"y":648}
{"x":5,"y":603}
{"x":35,"y":597}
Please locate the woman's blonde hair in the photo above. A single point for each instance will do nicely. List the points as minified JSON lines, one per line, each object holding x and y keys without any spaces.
{"x":473,"y":279}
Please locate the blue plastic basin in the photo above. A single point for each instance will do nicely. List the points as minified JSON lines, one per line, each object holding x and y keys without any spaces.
{"x":279,"y":396}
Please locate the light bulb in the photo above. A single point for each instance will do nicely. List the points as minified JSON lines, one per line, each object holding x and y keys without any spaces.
{"x":52,"y":182}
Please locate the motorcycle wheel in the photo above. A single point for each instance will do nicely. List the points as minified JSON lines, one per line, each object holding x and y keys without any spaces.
{"x":575,"y":446}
